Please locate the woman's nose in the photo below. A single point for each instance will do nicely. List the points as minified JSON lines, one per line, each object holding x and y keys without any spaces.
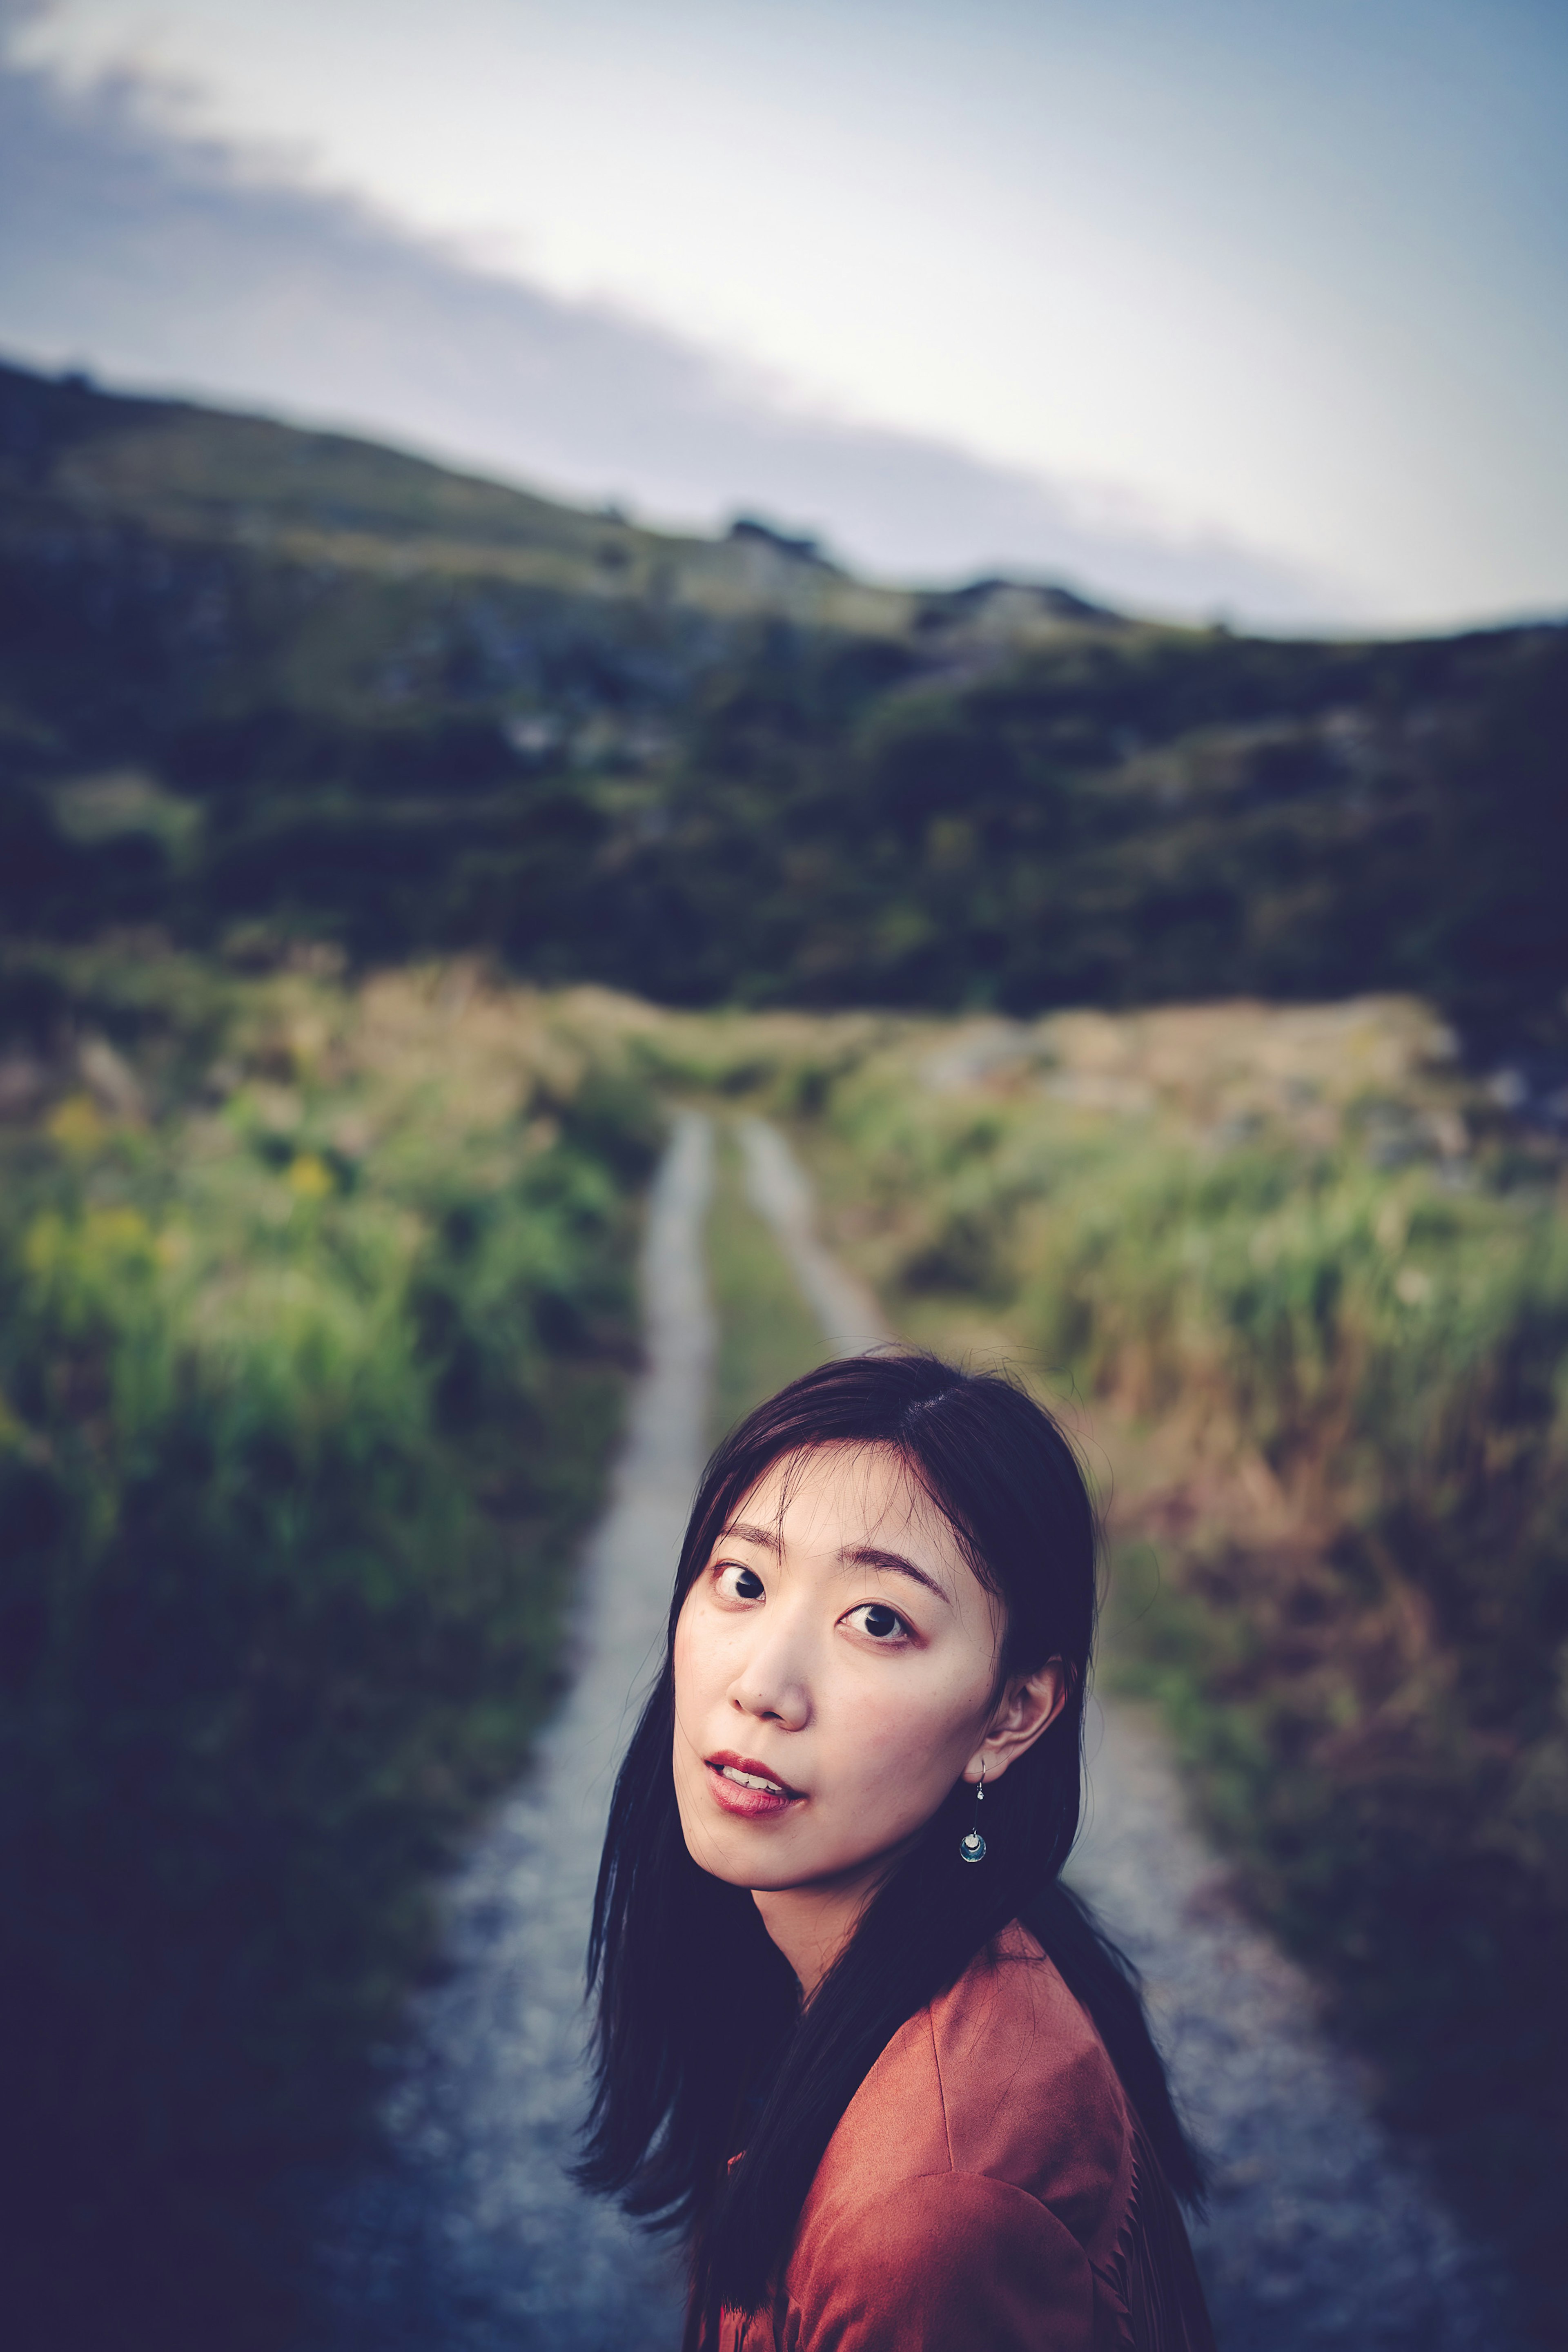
{"x":788,"y":1706}
{"x":773,"y":1686}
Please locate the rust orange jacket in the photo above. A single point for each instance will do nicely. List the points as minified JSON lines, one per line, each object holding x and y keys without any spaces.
{"x":987,"y":2190}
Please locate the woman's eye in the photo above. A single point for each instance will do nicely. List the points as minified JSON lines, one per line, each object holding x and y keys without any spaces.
{"x":875,"y":1618}
{"x":737,"y":1584}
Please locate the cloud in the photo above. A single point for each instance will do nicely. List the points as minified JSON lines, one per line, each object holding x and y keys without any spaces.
{"x":167,"y":262}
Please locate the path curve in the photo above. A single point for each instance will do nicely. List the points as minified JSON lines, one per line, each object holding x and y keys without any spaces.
{"x":470,"y":2238}
{"x":780,"y":1192}
{"x":1324,"y":2236}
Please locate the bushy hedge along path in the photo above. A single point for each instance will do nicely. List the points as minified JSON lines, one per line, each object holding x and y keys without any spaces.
{"x":470,"y":2239}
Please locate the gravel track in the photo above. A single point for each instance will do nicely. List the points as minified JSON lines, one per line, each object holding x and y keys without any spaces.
{"x":1321,"y":2233}
{"x":469,"y":2239}
{"x":779,"y":1191}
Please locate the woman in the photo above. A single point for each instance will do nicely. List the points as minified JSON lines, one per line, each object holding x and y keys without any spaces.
{"x":853,"y":2034}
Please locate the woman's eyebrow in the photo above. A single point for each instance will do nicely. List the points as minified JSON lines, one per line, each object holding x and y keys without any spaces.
{"x":741,"y":1531}
{"x":894,"y":1563}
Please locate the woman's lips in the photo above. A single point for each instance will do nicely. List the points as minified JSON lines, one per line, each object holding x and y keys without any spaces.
{"x":744,"y":1787}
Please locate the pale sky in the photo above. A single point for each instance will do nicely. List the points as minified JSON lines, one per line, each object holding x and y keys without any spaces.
{"x":1291,"y":276}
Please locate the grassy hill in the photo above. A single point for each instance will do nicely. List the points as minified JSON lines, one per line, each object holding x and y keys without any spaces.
{"x":255,"y":682}
{"x":316,"y":1279}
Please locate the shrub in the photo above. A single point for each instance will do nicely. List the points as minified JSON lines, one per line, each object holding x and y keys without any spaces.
{"x":1332,"y":1378}
{"x":305,"y":1399}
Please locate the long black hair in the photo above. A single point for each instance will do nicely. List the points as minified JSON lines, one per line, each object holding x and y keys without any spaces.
{"x":698,"y":2043}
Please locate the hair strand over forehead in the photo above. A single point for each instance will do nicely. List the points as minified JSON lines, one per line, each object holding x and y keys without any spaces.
{"x":998,"y":1468}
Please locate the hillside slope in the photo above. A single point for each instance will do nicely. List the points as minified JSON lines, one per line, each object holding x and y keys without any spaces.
{"x":257,"y":677}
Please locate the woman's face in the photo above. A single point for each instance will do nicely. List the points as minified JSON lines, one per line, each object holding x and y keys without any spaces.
{"x":835,"y":1669}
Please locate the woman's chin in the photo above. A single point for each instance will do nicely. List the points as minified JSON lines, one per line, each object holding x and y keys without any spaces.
{"x":759,"y":1856}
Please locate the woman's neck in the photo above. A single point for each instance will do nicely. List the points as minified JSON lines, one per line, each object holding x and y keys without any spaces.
{"x":811,"y":1925}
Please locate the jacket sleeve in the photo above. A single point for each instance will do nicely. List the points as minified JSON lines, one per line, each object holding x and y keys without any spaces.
{"x":947,"y":2262}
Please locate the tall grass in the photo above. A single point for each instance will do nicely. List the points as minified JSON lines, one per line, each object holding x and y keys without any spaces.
{"x":313,"y":1312}
{"x":1322,"y":1341}
{"x":314,"y":1307}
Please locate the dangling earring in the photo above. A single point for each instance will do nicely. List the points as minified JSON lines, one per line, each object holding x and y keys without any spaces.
{"x":972,"y":1845}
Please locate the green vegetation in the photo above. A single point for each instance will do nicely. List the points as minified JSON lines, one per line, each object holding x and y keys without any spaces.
{"x":313,"y":1290}
{"x":316,"y":1306}
{"x":1304,"y":1293}
{"x":252,"y":677}
{"x":767,"y":1333}
{"x":315,"y":1310}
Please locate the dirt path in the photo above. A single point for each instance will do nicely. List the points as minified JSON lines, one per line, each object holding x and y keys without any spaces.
{"x":1322,"y":2237}
{"x":1321,"y":2233}
{"x":471,"y":2239}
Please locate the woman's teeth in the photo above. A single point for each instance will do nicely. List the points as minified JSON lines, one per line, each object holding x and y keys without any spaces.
{"x":750,"y":1780}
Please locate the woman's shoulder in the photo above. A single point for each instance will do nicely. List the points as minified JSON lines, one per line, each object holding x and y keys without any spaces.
{"x":1029,"y":2092}
{"x":984,"y":2188}
{"x":1004,"y":2080}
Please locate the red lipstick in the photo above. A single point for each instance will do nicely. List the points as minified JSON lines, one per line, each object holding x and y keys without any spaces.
{"x":751,"y":1789}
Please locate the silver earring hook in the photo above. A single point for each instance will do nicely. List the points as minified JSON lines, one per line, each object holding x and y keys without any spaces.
{"x":972,"y":1845}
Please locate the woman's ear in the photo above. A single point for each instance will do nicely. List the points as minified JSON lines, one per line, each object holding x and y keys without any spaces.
{"x":1028,"y":1708}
